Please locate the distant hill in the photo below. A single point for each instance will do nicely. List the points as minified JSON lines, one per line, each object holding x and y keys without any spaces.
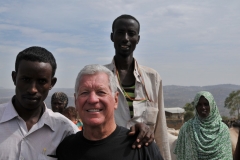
{"x":178,"y":96}
{"x":174,"y":96}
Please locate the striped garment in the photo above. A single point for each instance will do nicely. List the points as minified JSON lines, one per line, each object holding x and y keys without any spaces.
{"x":129,"y":89}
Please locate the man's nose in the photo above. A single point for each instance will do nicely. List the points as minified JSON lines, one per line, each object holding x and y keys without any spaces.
{"x":92,"y":97}
{"x":32,"y":88}
{"x":126,"y":37}
{"x":203,"y":106}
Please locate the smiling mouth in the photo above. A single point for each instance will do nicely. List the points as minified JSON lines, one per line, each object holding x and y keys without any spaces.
{"x":94,"y":110}
{"x":204,"y":112}
{"x":124,"y":47}
{"x":31,"y":98}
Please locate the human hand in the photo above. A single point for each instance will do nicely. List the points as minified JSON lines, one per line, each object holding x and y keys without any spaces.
{"x":145,"y":135}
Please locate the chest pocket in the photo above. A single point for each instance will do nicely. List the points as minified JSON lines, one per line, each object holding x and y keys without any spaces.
{"x":150,"y":115}
{"x":146,"y":112}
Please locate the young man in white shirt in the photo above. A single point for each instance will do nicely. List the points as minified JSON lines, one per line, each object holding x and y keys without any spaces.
{"x":28,"y":129}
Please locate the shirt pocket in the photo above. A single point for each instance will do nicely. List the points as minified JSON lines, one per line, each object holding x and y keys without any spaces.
{"x":150,"y":115}
{"x":145,"y":112}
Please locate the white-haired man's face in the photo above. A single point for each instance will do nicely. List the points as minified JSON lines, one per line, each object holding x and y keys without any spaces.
{"x":94,"y":101}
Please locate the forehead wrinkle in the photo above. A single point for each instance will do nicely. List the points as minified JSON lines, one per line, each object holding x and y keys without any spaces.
{"x":92,"y":86}
{"x":92,"y":83}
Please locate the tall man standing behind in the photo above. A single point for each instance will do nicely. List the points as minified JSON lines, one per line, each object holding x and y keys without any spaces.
{"x":140,"y":87}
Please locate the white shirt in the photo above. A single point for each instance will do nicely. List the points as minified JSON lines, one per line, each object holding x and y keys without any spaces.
{"x":17,"y":143}
{"x":150,"y":113}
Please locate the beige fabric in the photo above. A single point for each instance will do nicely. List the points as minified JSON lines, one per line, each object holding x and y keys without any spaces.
{"x":144,"y":111}
{"x":234,"y":131}
{"x":172,"y":143}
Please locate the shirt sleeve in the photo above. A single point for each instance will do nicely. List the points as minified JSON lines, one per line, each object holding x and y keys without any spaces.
{"x":160,"y":132}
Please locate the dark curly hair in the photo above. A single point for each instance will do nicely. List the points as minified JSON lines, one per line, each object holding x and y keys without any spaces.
{"x":36,"y":54}
{"x":61,"y":97}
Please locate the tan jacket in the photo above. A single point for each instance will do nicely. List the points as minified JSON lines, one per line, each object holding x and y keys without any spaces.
{"x":151,"y":113}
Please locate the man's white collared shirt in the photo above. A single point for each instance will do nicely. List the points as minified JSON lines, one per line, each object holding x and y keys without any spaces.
{"x":17,"y":143}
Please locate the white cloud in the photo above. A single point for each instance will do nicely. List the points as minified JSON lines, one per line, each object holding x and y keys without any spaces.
{"x":70,"y":51}
{"x":104,"y":60}
{"x":3,"y":9}
{"x":42,"y":35}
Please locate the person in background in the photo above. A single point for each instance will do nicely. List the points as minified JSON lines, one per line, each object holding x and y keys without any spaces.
{"x":237,"y":150}
{"x":71,"y":113}
{"x":96,"y":98}
{"x":59,"y":102}
{"x":205,"y":136}
{"x":139,"y":87}
{"x":28,"y":129}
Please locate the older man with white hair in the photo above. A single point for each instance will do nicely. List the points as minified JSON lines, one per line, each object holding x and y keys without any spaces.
{"x":96,"y":99}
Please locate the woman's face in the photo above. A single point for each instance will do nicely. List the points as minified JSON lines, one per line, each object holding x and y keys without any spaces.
{"x":203,"y":107}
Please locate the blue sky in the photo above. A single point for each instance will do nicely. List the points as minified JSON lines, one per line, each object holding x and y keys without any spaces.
{"x":190,"y":43}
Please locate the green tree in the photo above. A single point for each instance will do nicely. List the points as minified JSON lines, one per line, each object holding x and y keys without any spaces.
{"x":225,"y":118}
{"x":232,"y":102}
{"x":189,"y":108}
{"x":188,"y":115}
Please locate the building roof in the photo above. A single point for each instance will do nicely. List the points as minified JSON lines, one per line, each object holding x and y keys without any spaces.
{"x":174,"y":110}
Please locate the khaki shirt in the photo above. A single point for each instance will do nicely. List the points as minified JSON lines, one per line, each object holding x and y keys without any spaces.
{"x":150,"y":113}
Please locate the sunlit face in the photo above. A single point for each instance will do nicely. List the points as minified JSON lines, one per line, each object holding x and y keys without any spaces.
{"x":203,"y":107}
{"x":125,"y":36}
{"x":94,"y":101}
{"x":33,"y":82}
{"x":58,"y":106}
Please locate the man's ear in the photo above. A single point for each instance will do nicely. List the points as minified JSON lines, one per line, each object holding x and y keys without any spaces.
{"x":138,"y":39}
{"x":116,"y":100}
{"x":53,"y":82}
{"x":111,"y":36}
{"x":14,"y":75}
{"x":75,"y":101}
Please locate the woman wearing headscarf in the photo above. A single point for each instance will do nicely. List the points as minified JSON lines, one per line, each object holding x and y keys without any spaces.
{"x":205,"y":136}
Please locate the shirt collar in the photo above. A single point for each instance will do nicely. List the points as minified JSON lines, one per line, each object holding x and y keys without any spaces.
{"x":112,"y":66}
{"x":136,"y":73}
{"x":47,"y":118}
{"x":10,"y":113}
